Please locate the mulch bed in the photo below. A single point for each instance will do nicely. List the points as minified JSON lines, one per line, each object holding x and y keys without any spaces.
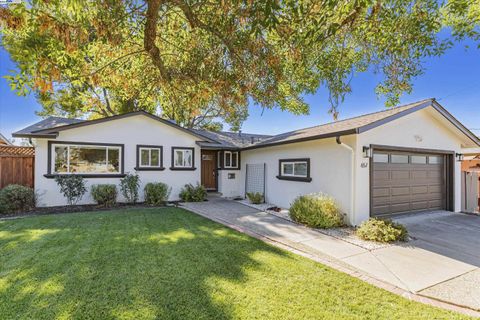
{"x":80,"y":208}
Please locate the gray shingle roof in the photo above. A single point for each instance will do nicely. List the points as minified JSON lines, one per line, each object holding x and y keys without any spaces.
{"x":48,"y":123}
{"x":341,"y":127}
{"x":232,"y":140}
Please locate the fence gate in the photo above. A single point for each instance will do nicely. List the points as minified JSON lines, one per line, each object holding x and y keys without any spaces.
{"x":255,"y":178}
{"x":470,"y":192}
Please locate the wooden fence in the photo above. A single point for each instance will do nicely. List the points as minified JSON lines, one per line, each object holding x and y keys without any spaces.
{"x":470,"y":191}
{"x":17,"y":166}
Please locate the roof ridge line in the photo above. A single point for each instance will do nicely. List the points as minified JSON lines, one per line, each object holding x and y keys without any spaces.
{"x":359,"y":116}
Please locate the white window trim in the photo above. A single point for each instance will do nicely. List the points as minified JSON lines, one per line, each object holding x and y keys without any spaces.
{"x":149,"y":157}
{"x":175,"y":150}
{"x":68,"y":145}
{"x":282,"y":171}
{"x":231,"y":166}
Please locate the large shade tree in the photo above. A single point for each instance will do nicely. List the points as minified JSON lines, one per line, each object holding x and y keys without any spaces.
{"x":201,"y":61}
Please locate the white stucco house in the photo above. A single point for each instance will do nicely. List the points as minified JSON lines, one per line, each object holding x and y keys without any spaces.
{"x":397,"y":160}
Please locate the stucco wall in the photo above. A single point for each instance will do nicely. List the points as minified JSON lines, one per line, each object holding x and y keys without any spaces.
{"x":422,"y":129}
{"x":130,"y":132}
{"x":330,"y":170}
{"x":230,"y":187}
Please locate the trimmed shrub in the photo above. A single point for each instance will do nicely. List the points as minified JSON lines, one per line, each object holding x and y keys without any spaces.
{"x":191,"y":193}
{"x":72,"y":187}
{"x":382,"y":231}
{"x":16,"y":198}
{"x":156,"y":194}
{"x":316,"y":210}
{"x":104,"y":194}
{"x":255,"y":197}
{"x":129,"y":186}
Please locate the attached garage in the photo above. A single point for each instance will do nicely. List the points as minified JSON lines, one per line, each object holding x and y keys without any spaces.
{"x":404,"y":180}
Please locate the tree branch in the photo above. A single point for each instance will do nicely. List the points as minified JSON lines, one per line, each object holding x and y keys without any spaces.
{"x":150,"y":35}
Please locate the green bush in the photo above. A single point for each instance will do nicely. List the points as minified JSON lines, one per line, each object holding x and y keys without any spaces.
{"x":255,"y":197}
{"x":129,"y":187}
{"x":156,"y":194}
{"x":382,"y":231}
{"x":104,"y":194}
{"x":72,"y":187}
{"x":16,"y":198}
{"x":191,"y":193}
{"x":316,"y":210}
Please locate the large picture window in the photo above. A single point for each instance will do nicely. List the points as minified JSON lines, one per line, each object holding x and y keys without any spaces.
{"x":85,"y":159}
{"x":294,"y":170}
{"x":183,"y":158}
{"x":149,"y":157}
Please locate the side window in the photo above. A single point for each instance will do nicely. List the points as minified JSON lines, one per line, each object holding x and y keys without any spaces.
{"x":149,"y":157}
{"x":183,"y":158}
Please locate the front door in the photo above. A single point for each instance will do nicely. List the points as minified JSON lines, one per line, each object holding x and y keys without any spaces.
{"x":209,"y":179}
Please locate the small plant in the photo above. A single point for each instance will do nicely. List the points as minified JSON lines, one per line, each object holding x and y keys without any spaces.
{"x":255,"y":197}
{"x":191,"y":193}
{"x":104,"y":194}
{"x":72,"y":187}
{"x":316,"y":210}
{"x":16,"y":198}
{"x":129,"y":187}
{"x":382,"y":231}
{"x":156,"y":194}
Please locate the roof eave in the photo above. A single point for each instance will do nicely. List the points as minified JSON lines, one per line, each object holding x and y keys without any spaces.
{"x":317,"y":137}
{"x":116,"y":117}
{"x":29,"y":135}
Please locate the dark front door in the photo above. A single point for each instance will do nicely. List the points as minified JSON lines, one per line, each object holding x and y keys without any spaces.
{"x":209,"y":174}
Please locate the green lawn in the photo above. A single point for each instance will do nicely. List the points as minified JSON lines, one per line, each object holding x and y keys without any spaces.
{"x":172,"y":264}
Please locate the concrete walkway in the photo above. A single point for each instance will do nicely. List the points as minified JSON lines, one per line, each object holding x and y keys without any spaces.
{"x":406,"y":269}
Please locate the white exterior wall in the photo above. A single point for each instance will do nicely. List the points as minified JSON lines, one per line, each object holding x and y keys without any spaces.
{"x":330,"y":171}
{"x":422,"y":129}
{"x":230,"y":188}
{"x":130,"y":132}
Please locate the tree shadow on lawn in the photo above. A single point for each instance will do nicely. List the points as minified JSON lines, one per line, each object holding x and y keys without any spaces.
{"x":132,"y":265}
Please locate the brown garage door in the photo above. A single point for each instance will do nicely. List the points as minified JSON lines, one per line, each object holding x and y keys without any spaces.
{"x":404,"y":182}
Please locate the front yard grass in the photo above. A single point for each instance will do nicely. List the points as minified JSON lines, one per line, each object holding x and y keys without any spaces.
{"x":172,"y":264}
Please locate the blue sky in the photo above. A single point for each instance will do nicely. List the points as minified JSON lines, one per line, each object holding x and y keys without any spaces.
{"x":454,"y":79}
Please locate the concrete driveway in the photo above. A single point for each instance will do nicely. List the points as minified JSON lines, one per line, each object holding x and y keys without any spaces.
{"x":453,"y":240}
{"x":441,"y":262}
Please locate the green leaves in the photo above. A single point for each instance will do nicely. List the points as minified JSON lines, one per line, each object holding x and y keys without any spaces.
{"x":201,"y":62}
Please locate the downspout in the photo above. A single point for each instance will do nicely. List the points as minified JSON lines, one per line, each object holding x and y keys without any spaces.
{"x":352,"y":182}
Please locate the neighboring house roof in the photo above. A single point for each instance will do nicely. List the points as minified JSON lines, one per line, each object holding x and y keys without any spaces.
{"x":229,"y":140}
{"x":4,"y":140}
{"x":17,"y":151}
{"x":45,"y":131}
{"x":361,"y":124}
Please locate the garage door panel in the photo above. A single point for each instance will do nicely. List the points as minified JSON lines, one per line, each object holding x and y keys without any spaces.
{"x":420,"y":205}
{"x":437,"y":204}
{"x":381,"y":192}
{"x":381,"y":175}
{"x":405,"y":187}
{"x":419,"y":189}
{"x":399,"y":175}
{"x":382,"y":209}
{"x":400,"y":207}
{"x":381,"y":201}
{"x":398,"y":191}
{"x":419,"y":175}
